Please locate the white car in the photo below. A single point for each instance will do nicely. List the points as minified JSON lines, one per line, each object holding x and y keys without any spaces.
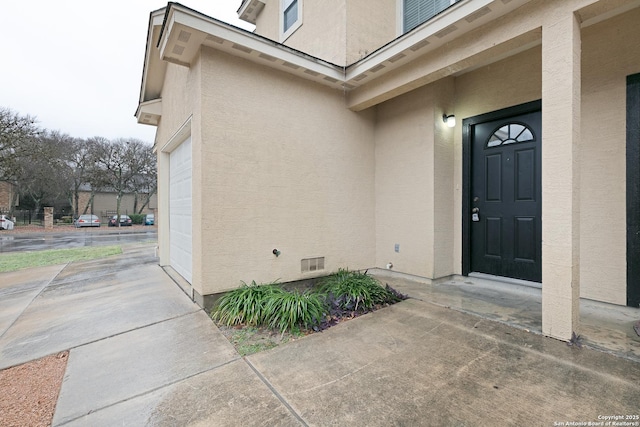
{"x":87,"y":221}
{"x":5,"y":223}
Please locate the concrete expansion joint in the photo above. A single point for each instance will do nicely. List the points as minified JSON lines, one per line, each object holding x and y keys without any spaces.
{"x":136,"y":329}
{"x":149,"y":391}
{"x":32,"y":300}
{"x":275,"y":392}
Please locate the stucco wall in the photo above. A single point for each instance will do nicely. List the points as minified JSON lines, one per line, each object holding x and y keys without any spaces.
{"x":414,"y":176}
{"x":323,"y":31}
{"x":610,"y":52}
{"x":368,"y":31}
{"x":179,"y":99}
{"x":288,"y":168}
{"x":334,"y":30}
{"x":404,"y":180}
{"x":267,"y":23}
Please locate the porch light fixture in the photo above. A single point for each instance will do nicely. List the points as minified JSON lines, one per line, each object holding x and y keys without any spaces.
{"x":449,"y":120}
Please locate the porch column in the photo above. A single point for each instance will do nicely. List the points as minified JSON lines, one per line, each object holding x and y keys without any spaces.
{"x":560,"y":175}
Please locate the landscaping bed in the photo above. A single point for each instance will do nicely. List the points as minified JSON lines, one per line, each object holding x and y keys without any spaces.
{"x":257,"y":317}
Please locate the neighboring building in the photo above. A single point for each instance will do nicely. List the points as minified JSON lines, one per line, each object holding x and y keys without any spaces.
{"x":104,"y":203}
{"x":322,"y":135}
{"x":8,"y":197}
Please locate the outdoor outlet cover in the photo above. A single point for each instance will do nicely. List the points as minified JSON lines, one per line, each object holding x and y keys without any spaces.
{"x":397,"y":247}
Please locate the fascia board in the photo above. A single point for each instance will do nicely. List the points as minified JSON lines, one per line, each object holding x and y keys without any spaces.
{"x":155,"y":20}
{"x":166,"y":32}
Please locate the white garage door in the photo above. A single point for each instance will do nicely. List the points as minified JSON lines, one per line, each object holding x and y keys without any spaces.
{"x":180,"y":249}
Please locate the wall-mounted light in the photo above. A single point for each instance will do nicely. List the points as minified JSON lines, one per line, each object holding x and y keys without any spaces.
{"x":449,"y":120}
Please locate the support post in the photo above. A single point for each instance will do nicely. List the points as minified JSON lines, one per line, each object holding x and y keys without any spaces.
{"x":560,"y":175}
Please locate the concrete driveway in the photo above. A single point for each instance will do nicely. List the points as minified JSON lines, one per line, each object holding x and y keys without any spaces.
{"x":141,"y":353}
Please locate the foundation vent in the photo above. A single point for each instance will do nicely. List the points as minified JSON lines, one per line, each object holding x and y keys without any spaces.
{"x":312,"y":264}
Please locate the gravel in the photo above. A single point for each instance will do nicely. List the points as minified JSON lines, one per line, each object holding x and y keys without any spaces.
{"x":30,"y":391}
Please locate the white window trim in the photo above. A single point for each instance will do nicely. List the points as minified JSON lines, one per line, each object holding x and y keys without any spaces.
{"x":284,"y":35}
{"x":399,"y":17}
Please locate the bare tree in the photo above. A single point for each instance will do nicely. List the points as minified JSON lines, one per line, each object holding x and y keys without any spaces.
{"x":15,"y":131}
{"x":146,"y":181}
{"x":80,"y":159}
{"x":40,"y":170}
{"x":50,"y":165}
{"x":120,"y":163}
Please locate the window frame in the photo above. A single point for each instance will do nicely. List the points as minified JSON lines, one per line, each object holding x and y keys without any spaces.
{"x":400,"y":16}
{"x":285,"y":34}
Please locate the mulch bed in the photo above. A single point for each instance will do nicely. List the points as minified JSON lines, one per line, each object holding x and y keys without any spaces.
{"x":30,"y":391}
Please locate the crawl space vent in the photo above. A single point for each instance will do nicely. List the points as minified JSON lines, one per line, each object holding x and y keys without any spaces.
{"x":312,"y":264}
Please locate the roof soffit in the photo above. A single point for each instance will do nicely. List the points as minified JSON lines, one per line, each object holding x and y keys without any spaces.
{"x":250,"y":9}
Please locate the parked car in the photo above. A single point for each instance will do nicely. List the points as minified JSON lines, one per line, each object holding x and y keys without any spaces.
{"x":124,"y":220}
{"x":150,"y":219}
{"x":5,"y":223}
{"x":87,"y":221}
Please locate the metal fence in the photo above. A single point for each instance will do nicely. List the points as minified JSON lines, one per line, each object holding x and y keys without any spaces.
{"x":31,"y":217}
{"x":25,"y":217}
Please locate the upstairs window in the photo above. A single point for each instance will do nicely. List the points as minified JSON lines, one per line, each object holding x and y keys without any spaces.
{"x":289,"y":14}
{"x":415,"y":12}
{"x":290,"y":17}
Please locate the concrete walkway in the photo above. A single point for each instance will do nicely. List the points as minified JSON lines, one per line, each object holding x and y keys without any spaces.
{"x":141,"y":353}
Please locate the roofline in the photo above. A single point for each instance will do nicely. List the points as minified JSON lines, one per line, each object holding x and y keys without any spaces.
{"x":184,"y":30}
{"x":172,"y":5}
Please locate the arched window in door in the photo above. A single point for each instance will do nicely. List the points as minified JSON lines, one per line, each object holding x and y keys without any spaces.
{"x":511,"y":133}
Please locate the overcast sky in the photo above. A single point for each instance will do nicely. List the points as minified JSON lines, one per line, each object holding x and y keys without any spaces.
{"x":77,"y":64}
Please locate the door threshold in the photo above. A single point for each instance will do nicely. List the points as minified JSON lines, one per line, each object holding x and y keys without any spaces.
{"x":506,"y":280}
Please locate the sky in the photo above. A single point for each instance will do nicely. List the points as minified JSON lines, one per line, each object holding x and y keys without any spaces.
{"x":76,"y":65}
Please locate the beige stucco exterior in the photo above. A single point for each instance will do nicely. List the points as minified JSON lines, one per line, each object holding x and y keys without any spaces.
{"x":282,"y":179}
{"x":336,"y":31}
{"x":341,"y":151}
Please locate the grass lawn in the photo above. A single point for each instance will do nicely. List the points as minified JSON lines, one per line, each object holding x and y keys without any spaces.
{"x":18,"y":261}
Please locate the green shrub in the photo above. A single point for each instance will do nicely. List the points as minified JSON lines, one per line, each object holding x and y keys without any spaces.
{"x":137,"y":218}
{"x":352,"y":290}
{"x":66,"y":219}
{"x":245,"y":305}
{"x":287,"y":310}
{"x":337,"y":295}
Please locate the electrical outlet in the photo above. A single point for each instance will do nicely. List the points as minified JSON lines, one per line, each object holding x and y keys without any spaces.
{"x":397,"y":248}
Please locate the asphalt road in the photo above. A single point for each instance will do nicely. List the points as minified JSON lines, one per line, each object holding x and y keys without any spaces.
{"x":42,"y":241}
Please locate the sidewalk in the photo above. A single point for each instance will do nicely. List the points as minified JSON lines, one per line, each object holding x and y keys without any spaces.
{"x":141,"y":353}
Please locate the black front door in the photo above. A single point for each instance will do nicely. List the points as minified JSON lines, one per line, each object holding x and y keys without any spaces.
{"x":505,"y":197}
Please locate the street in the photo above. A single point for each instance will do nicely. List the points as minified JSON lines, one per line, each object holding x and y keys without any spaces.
{"x":15,"y":242}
